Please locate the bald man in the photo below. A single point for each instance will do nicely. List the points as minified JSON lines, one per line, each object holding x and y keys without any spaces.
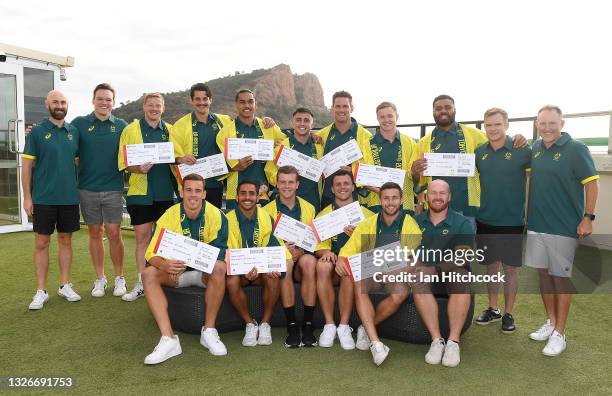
{"x":53,"y":202}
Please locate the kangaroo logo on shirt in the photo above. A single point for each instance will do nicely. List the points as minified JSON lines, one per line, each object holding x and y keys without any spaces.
{"x":445,"y":231}
{"x":70,"y":136}
{"x":536,"y":155}
{"x":485,"y":156}
{"x":437,"y":147}
{"x":556,"y":156}
{"x":91,"y":128}
{"x":332,"y":137}
{"x":508,"y":156}
{"x":422,"y":229}
{"x":112,"y":129}
{"x":48,"y":136}
{"x":164,"y":137}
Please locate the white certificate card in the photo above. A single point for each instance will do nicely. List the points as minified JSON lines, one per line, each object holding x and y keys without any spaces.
{"x":195,"y":254}
{"x":449,"y":164}
{"x":291,"y":230}
{"x":207,"y":167}
{"x":376,"y":176}
{"x":266,"y":259}
{"x":345,"y":154}
{"x":259,"y":149}
{"x":154,"y":153}
{"x":307,"y":167}
{"x":334,"y":223}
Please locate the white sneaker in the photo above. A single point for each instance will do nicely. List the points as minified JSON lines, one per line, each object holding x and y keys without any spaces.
{"x":555,"y":345}
{"x":543,"y":332}
{"x":209,"y":338}
{"x":451,"y":354}
{"x":379,"y":352}
{"x":68,"y":293}
{"x":436,"y":350}
{"x":166,"y":348}
{"x":345,"y":335}
{"x":99,"y":288}
{"x":120,"y":288}
{"x":135,"y":293}
{"x":40,"y":298}
{"x":265,"y":334}
{"x":363,"y":341}
{"x":250,"y":334}
{"x":326,"y":338}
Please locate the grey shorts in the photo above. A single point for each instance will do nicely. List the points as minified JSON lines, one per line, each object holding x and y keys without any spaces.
{"x":104,"y":207}
{"x":552,"y":252}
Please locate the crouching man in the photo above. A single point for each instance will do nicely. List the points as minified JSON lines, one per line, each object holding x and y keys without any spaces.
{"x":201,"y":221}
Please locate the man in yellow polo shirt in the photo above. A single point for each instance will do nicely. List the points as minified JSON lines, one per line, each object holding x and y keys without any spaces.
{"x":391,"y":224}
{"x":203,"y":222}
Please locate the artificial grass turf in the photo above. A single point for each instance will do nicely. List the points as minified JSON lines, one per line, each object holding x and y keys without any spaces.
{"x":101,"y":342}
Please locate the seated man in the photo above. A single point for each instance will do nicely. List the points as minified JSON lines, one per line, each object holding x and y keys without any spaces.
{"x":204,"y":222}
{"x":289,"y":204}
{"x":251,"y":226}
{"x":443,"y":230}
{"x":342,"y":187}
{"x":386,"y":227}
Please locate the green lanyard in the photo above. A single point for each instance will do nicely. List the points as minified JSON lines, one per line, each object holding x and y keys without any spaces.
{"x":185,"y":223}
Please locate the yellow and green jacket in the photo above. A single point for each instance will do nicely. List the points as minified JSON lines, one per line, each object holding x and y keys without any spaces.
{"x":339,"y":239}
{"x":285,"y":142}
{"x":229,"y":131}
{"x":182,"y":133}
{"x":306,"y":209}
{"x":473,"y":139}
{"x":133,"y":135}
{"x":409,"y":155}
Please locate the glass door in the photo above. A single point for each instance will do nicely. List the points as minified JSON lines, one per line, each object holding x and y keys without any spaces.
{"x":11,"y":128}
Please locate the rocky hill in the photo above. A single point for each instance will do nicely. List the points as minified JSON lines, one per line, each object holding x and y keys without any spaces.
{"x":279,"y":92}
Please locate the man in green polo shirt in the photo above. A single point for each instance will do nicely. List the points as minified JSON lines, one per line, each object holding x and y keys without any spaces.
{"x":444,"y":230}
{"x":327,"y":252}
{"x":501,"y":216}
{"x":391,"y":224}
{"x":563,"y":174}
{"x":101,"y":185}
{"x":451,"y":137}
{"x":51,"y":149}
{"x":341,"y":131}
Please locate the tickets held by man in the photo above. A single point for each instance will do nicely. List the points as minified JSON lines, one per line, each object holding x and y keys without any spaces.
{"x":342,"y":187}
{"x":343,"y":129}
{"x":248,"y":126}
{"x":204,"y":222}
{"x":304,"y":268}
{"x":253,"y":227}
{"x":391,"y":149}
{"x":151,"y":188}
{"x":391,"y":224}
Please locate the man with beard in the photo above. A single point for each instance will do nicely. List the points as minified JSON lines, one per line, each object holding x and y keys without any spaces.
{"x":443,"y":230}
{"x":54,"y":202}
{"x":343,"y":129}
{"x":451,"y":137}
{"x":247,"y":126}
{"x":101,"y":185}
{"x":390,"y":225}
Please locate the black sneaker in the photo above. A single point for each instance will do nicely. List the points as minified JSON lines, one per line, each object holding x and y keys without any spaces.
{"x":488,"y":315}
{"x":293,"y":336}
{"x":508,"y":324}
{"x":308,"y":338}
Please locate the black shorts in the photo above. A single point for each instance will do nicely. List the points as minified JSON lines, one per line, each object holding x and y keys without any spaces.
{"x":142,"y":214}
{"x":503,"y":243}
{"x":47,"y":217}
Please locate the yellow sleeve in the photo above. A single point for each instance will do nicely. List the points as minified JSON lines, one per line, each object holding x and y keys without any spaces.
{"x":353,"y":245}
{"x":123,"y":140}
{"x":221,"y":136}
{"x":278,"y":135}
{"x":178,"y":138}
{"x":164,"y":222}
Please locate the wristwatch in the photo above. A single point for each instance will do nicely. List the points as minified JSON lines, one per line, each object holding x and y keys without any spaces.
{"x":589,"y":216}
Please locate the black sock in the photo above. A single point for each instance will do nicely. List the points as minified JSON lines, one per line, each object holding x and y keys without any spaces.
{"x":290,"y":314}
{"x":308,"y":314}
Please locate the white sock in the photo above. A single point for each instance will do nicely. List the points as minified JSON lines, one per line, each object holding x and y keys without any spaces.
{"x":139,"y":277}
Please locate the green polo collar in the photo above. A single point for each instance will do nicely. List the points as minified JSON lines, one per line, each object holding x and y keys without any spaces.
{"x":449,"y":221}
{"x":397,"y":223}
{"x":144,"y":124}
{"x":92,"y":118}
{"x":379,"y":138}
{"x":563,"y":139}
{"x":352,"y":128}
{"x":242,"y":218}
{"x":508,"y":144}
{"x":453,"y":129}
{"x":50,"y":126}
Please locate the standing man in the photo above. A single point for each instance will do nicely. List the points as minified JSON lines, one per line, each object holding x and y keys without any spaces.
{"x":101,"y":185}
{"x":563,"y":173}
{"x":251,"y":227}
{"x":501,"y":216}
{"x":203,"y":222}
{"x":246,"y":125}
{"x":53,"y":146}
{"x":151,"y":192}
{"x":195,"y":136}
{"x":327,"y":251}
{"x":343,"y":129}
{"x":391,"y":149}
{"x":289,"y":204}
{"x":443,"y":230}
{"x":391,"y":224}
